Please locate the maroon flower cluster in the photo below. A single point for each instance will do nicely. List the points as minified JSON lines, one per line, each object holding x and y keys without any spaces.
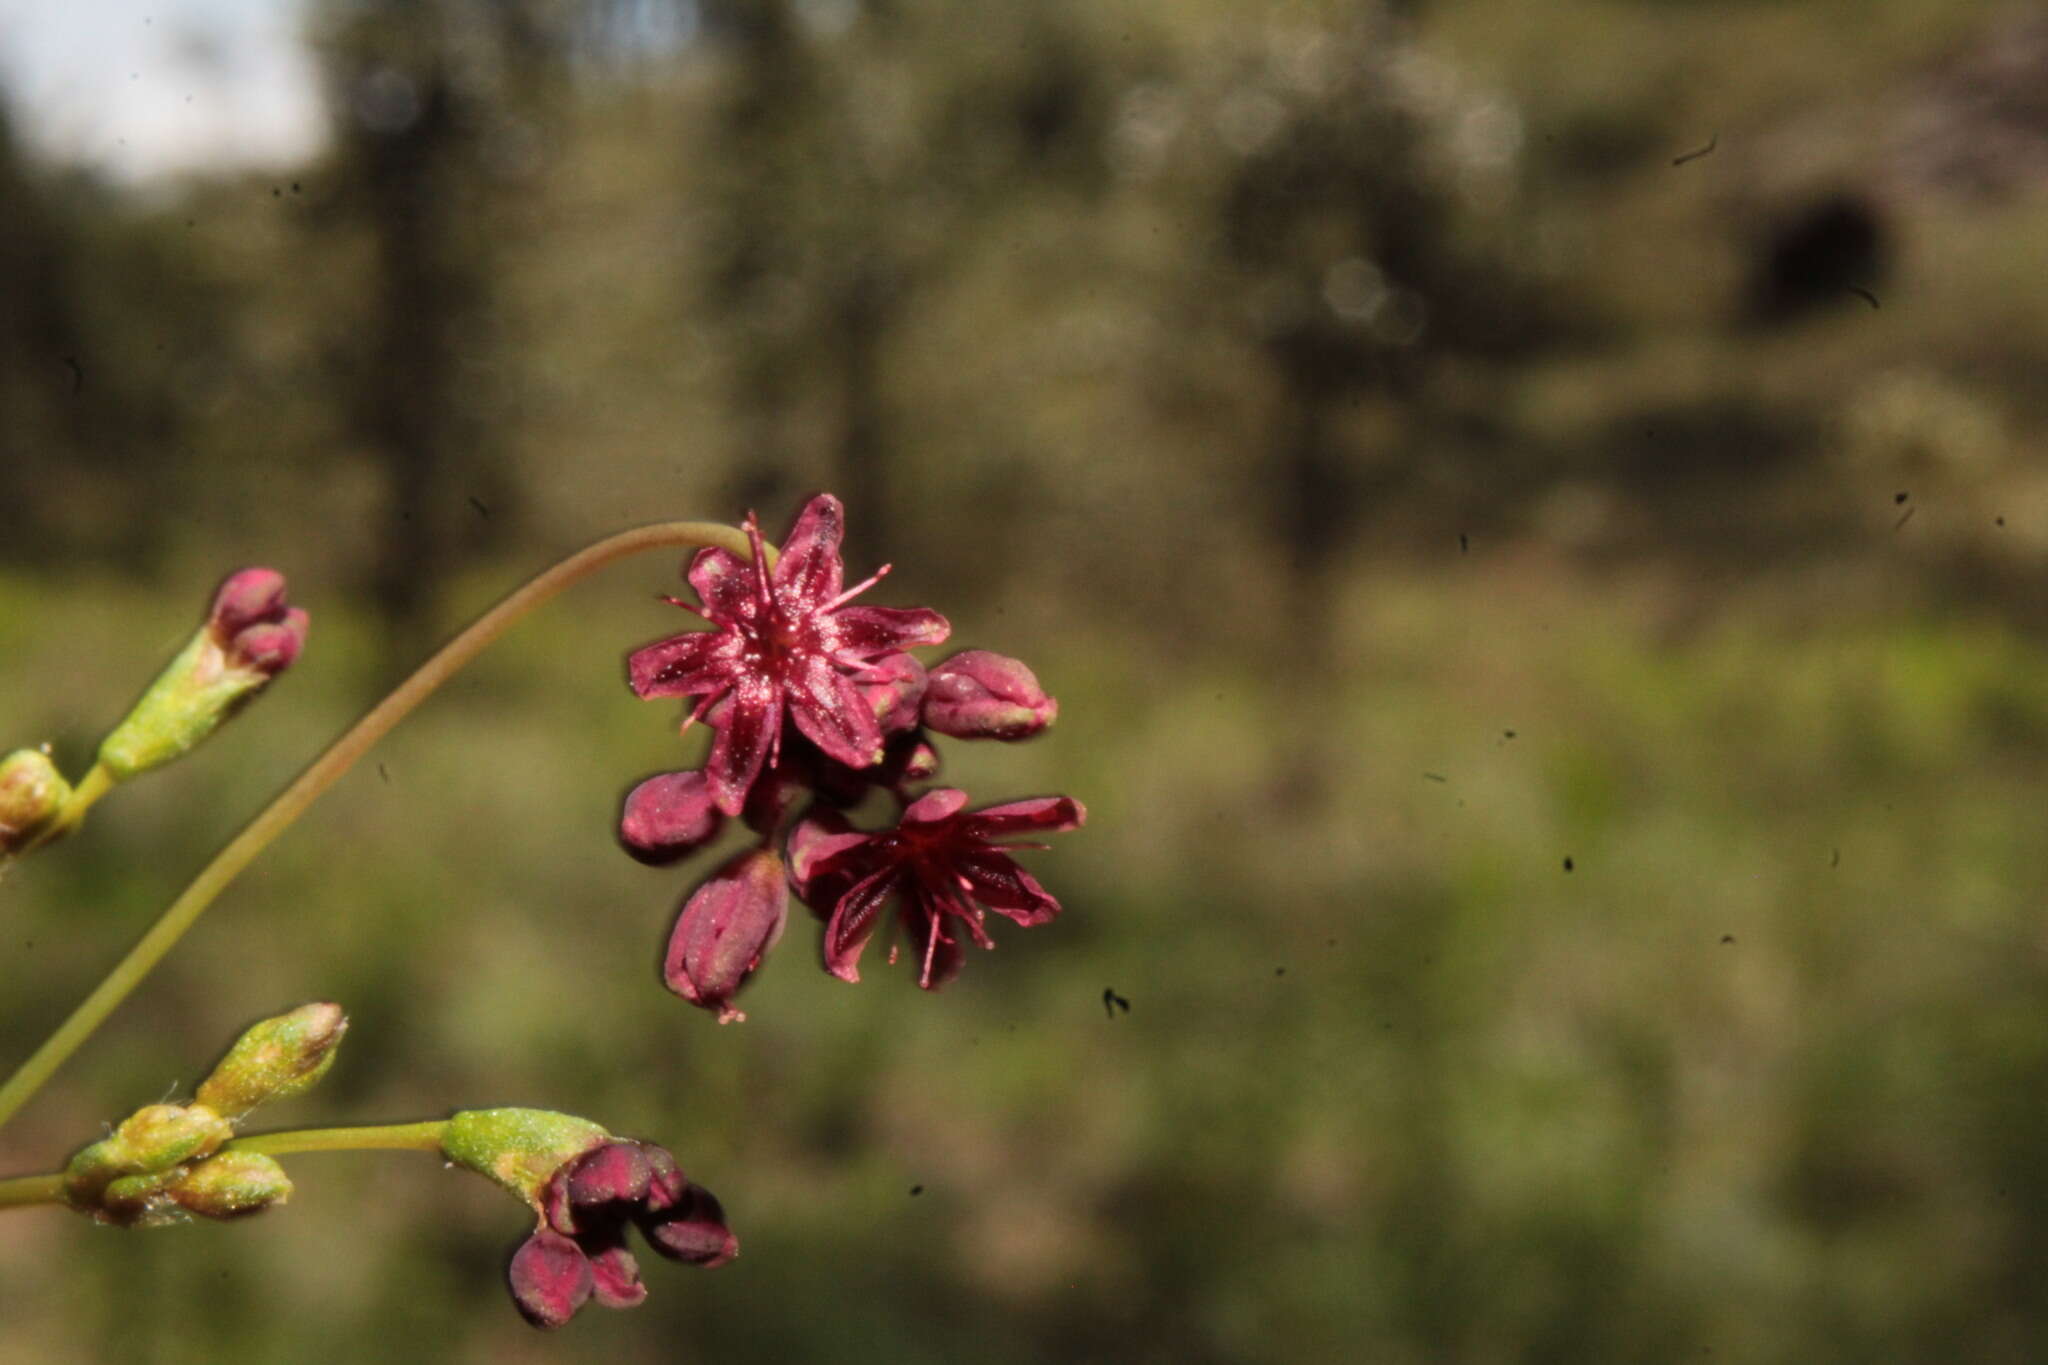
{"x":785,"y":642}
{"x":579,"y":1250}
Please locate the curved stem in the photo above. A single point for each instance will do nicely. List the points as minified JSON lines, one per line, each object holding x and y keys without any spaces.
{"x":323,"y":772}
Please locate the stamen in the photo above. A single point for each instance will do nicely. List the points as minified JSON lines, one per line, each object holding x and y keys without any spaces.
{"x":762,"y":590}
{"x":690,"y":607}
{"x":710,"y":698}
{"x":858,"y":588}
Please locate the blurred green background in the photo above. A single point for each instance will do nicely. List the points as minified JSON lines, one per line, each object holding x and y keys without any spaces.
{"x":1548,"y":630}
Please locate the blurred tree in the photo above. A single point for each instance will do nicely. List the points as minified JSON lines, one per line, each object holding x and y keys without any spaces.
{"x":855,"y":155}
{"x":90,"y":424}
{"x":419,"y":91}
{"x":1353,"y":194}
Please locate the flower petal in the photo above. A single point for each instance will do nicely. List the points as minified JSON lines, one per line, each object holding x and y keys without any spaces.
{"x":853,"y":922}
{"x":725,"y":584}
{"x":615,"y":1277}
{"x":810,"y":573}
{"x":682,"y":665}
{"x":550,"y":1278}
{"x":867,"y":631}
{"x":1039,"y":815}
{"x":833,"y":715}
{"x":611,"y":1172}
{"x":935,"y":806}
{"x":994,"y":879}
{"x":741,"y":749}
{"x":692,"y":1228}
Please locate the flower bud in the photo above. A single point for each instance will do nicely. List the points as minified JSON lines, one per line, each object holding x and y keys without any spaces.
{"x":231,"y":1185}
{"x":518,"y":1149}
{"x":160,"y":1136}
{"x":275,"y":1059}
{"x":894,"y":686}
{"x":550,"y":1278}
{"x":140,"y":1201}
{"x":723,"y":930}
{"x":122,"y":1178}
{"x":980,"y":695}
{"x":668,"y":816}
{"x":32,"y":791}
{"x":249,"y":637}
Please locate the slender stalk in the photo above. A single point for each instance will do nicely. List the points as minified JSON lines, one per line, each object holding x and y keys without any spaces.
{"x":96,"y":783}
{"x":24,"y":1190}
{"x":415,"y":1137}
{"x":324,"y":771}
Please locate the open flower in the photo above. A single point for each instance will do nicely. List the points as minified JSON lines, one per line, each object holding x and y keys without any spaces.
{"x":579,"y":1250}
{"x":782,"y":637}
{"x":942,"y":866}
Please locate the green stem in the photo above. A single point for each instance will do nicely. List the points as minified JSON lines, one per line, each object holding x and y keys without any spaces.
{"x":323,"y":772}
{"x":24,"y":1190}
{"x":96,"y":783}
{"x":414,"y":1137}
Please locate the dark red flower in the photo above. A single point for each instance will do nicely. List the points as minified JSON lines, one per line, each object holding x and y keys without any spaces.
{"x":579,"y":1250}
{"x":785,"y":637}
{"x":941,"y":865}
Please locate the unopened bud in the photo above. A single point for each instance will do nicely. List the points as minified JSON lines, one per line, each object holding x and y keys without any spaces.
{"x":162,"y":1135}
{"x":518,"y":1149}
{"x":121,"y":1178}
{"x":231,"y":1185}
{"x":275,"y":1059}
{"x":249,"y":637}
{"x":980,"y":695}
{"x":32,"y":791}
{"x":668,"y":816}
{"x":724,"y":929}
{"x":140,"y":1201}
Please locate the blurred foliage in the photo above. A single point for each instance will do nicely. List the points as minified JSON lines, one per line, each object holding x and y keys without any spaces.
{"x":1412,"y":469}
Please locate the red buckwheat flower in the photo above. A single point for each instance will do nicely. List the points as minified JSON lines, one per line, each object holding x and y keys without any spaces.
{"x":782,"y":637}
{"x":938,"y":863}
{"x":579,"y":1250}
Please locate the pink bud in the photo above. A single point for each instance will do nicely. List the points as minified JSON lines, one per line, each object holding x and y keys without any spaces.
{"x":668,"y":816}
{"x":980,"y":695}
{"x":550,"y":1278}
{"x":724,"y":928}
{"x":270,"y":647}
{"x":691,"y":1228}
{"x":249,"y":596}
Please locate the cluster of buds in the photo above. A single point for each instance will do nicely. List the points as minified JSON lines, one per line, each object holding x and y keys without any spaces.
{"x":815,"y":704}
{"x":165,"y":1161}
{"x":586,"y":1188}
{"x":249,"y":637}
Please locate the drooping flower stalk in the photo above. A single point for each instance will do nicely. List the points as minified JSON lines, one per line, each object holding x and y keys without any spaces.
{"x":328,"y":768}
